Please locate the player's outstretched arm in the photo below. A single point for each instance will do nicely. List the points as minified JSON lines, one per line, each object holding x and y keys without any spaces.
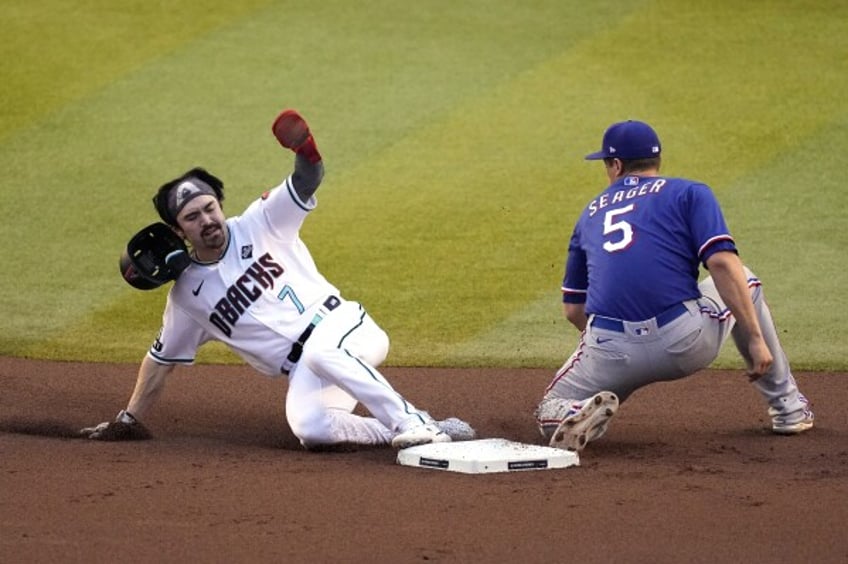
{"x":306,"y":177}
{"x":292,"y":132}
{"x":148,"y":386}
{"x":731,"y":282}
{"x":127,"y":425}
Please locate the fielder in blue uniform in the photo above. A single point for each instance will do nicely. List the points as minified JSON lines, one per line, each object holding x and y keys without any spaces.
{"x":631,"y":286}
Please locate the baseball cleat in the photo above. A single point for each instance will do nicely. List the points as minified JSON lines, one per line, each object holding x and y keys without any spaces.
{"x":420,"y":435}
{"x":780,"y":426}
{"x":585,"y":422}
{"x":792,"y":423}
{"x":457,"y":429}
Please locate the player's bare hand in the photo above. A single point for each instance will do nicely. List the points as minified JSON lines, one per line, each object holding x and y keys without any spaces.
{"x":761,"y":359}
{"x":125,"y":427}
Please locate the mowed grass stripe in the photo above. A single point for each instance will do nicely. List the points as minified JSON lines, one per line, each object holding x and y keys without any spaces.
{"x":214,"y":116}
{"x":790,"y":243}
{"x":452,"y":226}
{"x":786,"y":217}
{"x":54,"y":52}
{"x":505,"y":200}
{"x":74,"y":167}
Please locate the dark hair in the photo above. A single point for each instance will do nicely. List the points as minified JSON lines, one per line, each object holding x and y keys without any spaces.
{"x":629,"y":166}
{"x":160,"y":200}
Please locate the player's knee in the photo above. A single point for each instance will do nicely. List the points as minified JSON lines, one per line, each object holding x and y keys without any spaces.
{"x":372,"y":351}
{"x":376,"y":349}
{"x":312,"y":427}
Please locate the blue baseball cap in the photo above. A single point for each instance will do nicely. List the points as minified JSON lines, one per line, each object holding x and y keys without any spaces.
{"x":628,"y":140}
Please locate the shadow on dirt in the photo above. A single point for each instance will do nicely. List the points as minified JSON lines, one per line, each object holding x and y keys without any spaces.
{"x":42,"y":428}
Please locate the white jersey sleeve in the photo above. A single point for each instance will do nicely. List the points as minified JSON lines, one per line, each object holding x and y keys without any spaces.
{"x":179,"y":338}
{"x":283,"y":209}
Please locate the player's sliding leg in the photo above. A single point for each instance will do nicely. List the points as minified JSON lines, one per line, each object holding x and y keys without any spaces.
{"x":345,"y":349}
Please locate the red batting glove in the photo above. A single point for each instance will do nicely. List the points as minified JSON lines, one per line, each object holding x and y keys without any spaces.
{"x":292,"y":132}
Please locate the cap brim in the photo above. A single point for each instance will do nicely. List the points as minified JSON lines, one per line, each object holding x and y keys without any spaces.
{"x":596,"y":156}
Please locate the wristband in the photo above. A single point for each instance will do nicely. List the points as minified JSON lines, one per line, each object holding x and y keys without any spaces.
{"x":309,"y":150}
{"x":126,"y":417}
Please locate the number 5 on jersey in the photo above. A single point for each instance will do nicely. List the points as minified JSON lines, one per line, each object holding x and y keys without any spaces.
{"x":612,"y":224}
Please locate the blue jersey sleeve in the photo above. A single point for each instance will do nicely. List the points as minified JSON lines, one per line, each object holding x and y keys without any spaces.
{"x":575,"y":283}
{"x":708,"y":227}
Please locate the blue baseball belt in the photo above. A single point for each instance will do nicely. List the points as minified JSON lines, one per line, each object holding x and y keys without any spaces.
{"x":664,"y":318}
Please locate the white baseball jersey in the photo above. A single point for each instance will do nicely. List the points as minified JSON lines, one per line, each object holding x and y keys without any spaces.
{"x":257,"y":298}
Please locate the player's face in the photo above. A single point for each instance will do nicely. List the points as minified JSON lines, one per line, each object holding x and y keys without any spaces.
{"x":202,"y":222}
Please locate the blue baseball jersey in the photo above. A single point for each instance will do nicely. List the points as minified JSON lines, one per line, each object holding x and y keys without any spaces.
{"x":636,"y":248}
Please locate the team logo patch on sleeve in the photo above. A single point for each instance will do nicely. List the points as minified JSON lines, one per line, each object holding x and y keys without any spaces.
{"x":247,"y":251}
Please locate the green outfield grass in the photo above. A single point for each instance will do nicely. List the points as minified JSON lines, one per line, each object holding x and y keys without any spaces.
{"x":453,"y":135}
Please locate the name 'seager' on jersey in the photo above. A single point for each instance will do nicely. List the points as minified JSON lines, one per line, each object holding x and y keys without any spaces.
{"x":651,"y":187}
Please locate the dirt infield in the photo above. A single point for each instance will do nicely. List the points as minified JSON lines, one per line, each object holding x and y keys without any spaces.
{"x":687,"y":473}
